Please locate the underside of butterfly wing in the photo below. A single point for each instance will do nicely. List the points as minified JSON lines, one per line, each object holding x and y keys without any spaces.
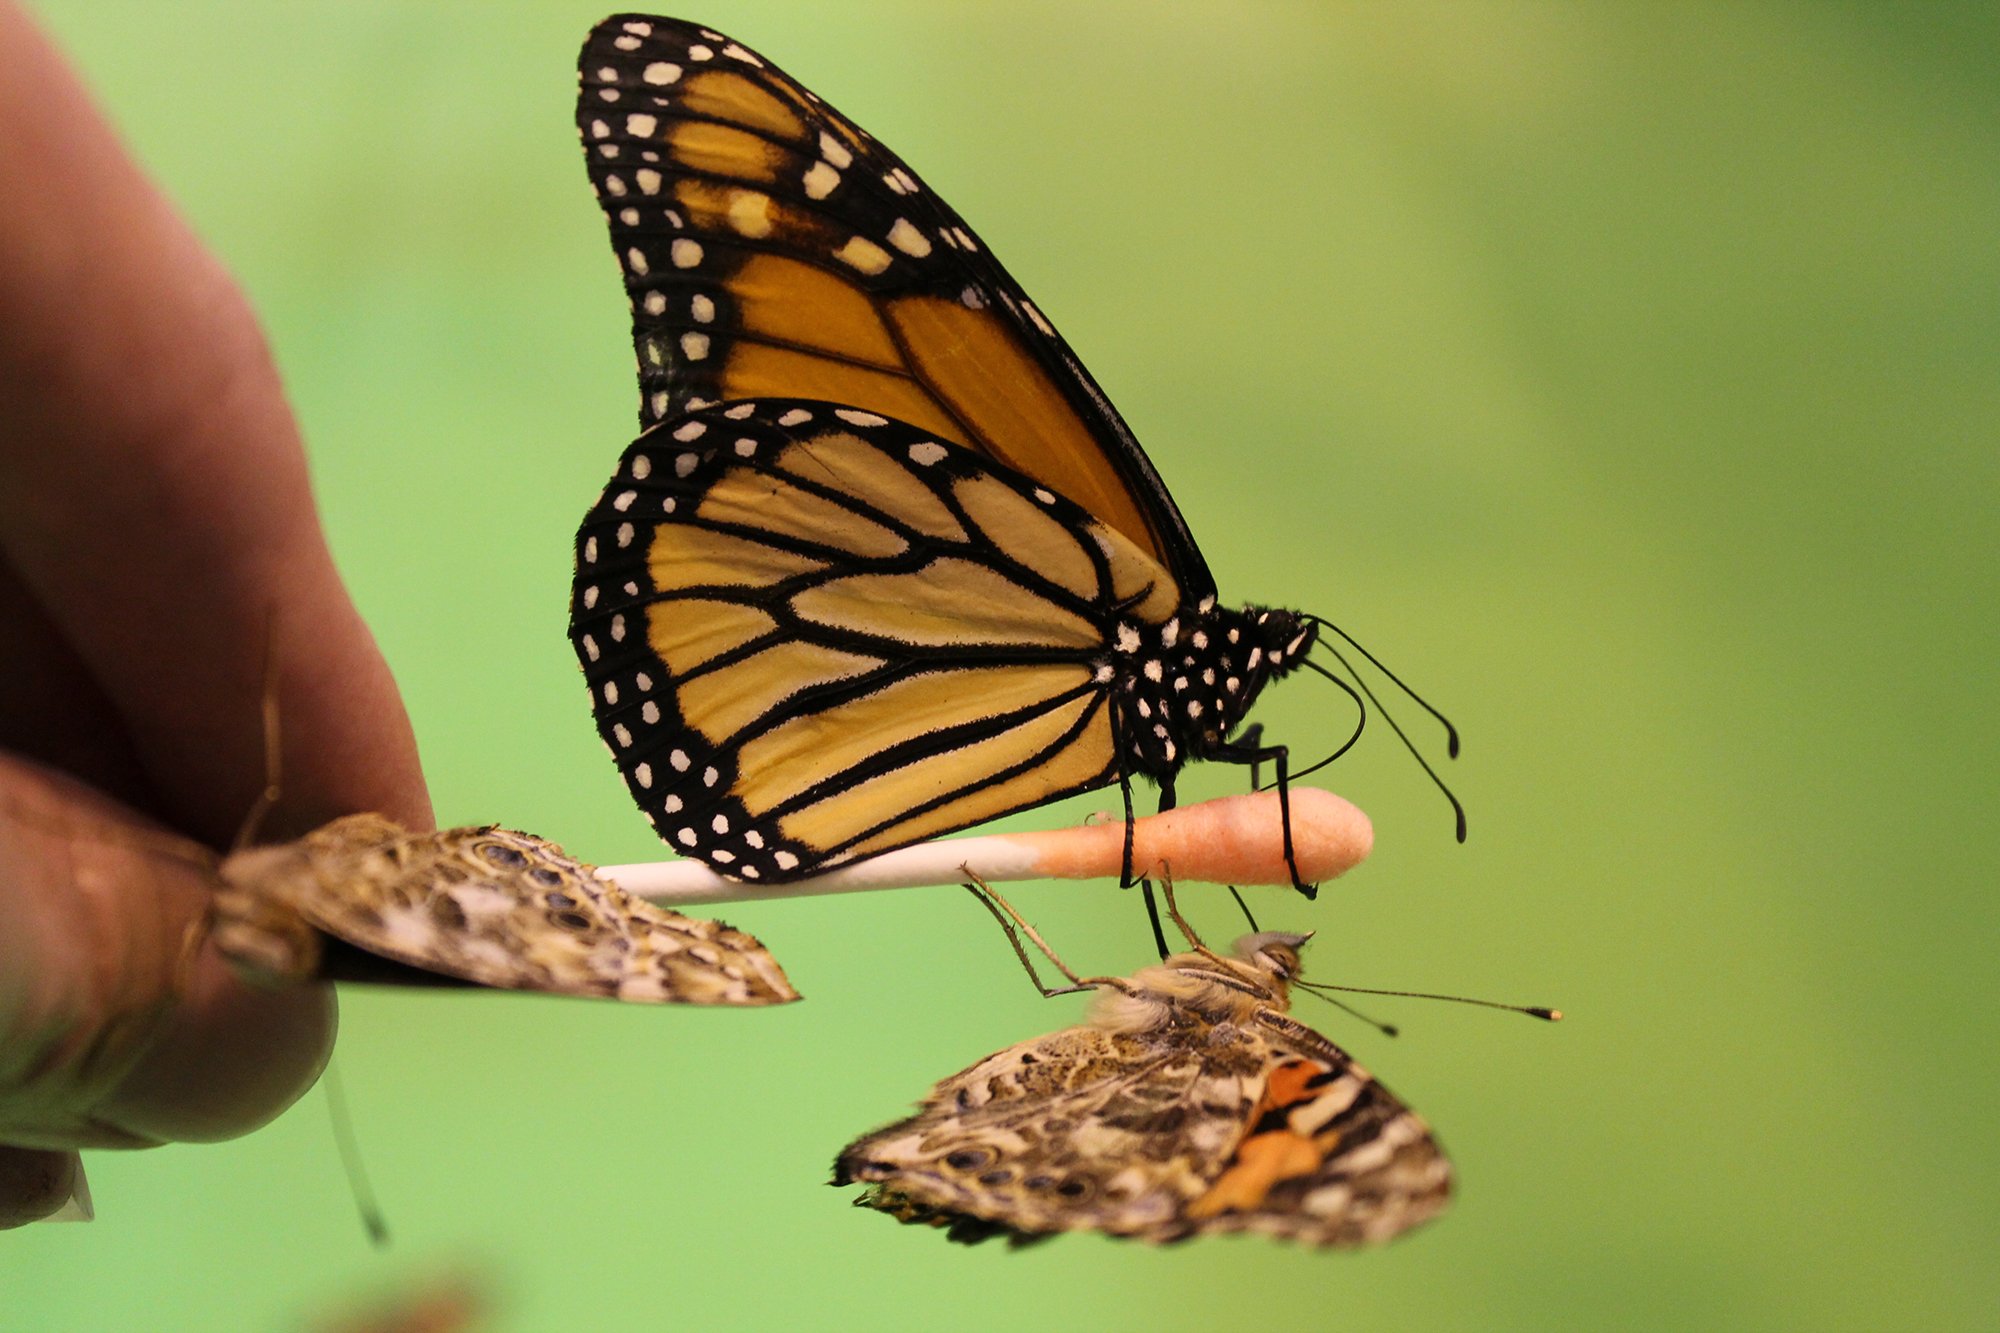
{"x":814,"y":633}
{"x":487,"y":905}
{"x":1081,"y":1130}
{"x":1189,"y":1127}
{"x":773,"y":248}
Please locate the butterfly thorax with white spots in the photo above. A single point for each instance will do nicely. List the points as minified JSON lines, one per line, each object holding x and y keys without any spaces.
{"x":1205,"y":988}
{"x":1183,"y":686}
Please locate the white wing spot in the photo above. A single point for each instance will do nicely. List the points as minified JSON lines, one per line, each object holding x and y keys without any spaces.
{"x":618,"y":628}
{"x":642,"y":126}
{"x":626,"y":43}
{"x":785,"y":860}
{"x":863,"y":255}
{"x":635,"y":259}
{"x":655,"y":303}
{"x":651,"y":713}
{"x":694,"y":346}
{"x":611,"y":692}
{"x":590,"y":647}
{"x":709,"y":777}
{"x":623,"y":734}
{"x":700,"y":53}
{"x":928,"y":453}
{"x":643,"y":681}
{"x":854,"y":417}
{"x":615,"y":186}
{"x":624,"y":500}
{"x":685,"y":464}
{"x":660,"y":73}
{"x":692,"y":430}
{"x":686,"y":837}
{"x":649,"y":180}
{"x":908,"y":239}
{"x":672,"y":805}
{"x":590,"y":551}
{"x":740,"y":412}
{"x":735,"y":52}
{"x":1128,"y":639}
{"x":684,"y":252}
{"x":1035,"y":316}
{"x":746,"y":448}
{"x":679,"y":760}
{"x":702,"y":308}
{"x":821,"y":180}
{"x":644,"y":774}
{"x":1046,"y":497}
{"x":798,"y":416}
{"x":720,"y":823}
{"x":624,"y":535}
{"x":834,"y":151}
{"x":1154,"y":671}
{"x":590,"y":604}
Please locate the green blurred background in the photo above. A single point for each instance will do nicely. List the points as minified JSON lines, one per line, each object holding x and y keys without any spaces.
{"x":1626,"y":376}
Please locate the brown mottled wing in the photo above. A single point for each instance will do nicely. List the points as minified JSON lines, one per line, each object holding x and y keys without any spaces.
{"x":1079,"y":1130}
{"x":773,"y":248}
{"x":1328,"y":1156}
{"x":1161,"y":1138}
{"x":492,"y":906}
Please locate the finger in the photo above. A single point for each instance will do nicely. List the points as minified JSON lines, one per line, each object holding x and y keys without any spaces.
{"x":34,"y":1183}
{"x":153,"y":491}
{"x":114,"y":1031}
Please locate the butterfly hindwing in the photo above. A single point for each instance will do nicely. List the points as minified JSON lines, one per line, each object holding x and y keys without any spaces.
{"x":487,"y":905}
{"x":771,"y":247}
{"x":813,"y":633}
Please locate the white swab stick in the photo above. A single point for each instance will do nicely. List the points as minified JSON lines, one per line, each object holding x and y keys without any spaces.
{"x":1233,"y":840}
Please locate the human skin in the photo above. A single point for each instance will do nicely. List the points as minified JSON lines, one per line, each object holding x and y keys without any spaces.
{"x":158,"y":545}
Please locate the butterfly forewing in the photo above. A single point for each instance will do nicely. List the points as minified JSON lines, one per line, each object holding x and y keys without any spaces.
{"x":773,"y":248}
{"x":814,"y":633}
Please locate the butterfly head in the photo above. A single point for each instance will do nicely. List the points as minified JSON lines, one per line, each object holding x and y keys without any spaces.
{"x":1275,"y":953}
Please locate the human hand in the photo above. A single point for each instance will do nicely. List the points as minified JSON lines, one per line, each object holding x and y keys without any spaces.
{"x":157,"y":530}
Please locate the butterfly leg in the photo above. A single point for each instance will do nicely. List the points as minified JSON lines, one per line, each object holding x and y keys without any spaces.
{"x":1009,"y":919}
{"x":1246,"y":751}
{"x":1146,"y":885}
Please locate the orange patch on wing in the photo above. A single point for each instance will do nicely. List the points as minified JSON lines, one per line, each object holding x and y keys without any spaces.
{"x":1260,"y":1162}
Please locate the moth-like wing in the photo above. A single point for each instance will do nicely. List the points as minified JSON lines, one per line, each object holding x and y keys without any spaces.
{"x":495,"y":907}
{"x":1080,"y":1130}
{"x":772,"y":247}
{"x":814,"y":633}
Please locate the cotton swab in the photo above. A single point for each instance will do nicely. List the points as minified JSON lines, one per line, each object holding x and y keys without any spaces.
{"x":1231,"y":840}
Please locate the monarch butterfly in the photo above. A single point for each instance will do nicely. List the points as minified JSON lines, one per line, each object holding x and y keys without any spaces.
{"x":885,"y":563}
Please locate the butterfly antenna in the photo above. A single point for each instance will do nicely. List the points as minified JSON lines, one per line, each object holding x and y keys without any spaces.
{"x":1386,"y":1029}
{"x":1457,"y":810}
{"x":1532,"y":1011}
{"x":365,"y":1202}
{"x":1360,"y":723}
{"x":1450,"y":731}
{"x":267,"y":799}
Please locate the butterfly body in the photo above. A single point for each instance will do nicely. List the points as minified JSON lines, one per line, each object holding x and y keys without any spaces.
{"x":1188,"y":1103}
{"x":966,"y":534}
{"x":484,"y":904}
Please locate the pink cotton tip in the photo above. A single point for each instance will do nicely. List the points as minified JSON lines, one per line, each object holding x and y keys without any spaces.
{"x":1230,"y":840}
